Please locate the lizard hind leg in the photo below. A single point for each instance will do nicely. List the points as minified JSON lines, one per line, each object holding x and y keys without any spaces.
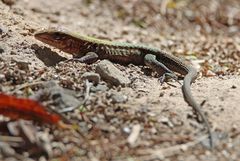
{"x":151,"y":61}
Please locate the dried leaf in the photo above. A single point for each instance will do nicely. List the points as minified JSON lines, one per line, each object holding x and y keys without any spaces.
{"x":21,"y":108}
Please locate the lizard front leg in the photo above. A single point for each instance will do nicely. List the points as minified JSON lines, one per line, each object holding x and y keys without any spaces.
{"x":89,"y":58}
{"x":151,"y":61}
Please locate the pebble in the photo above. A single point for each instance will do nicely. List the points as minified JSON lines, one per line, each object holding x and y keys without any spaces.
{"x":2,"y":47}
{"x":166,"y":121}
{"x":111,"y":74}
{"x":118,"y":98}
{"x":99,"y":87}
{"x":23,"y":65}
{"x":2,"y":77}
{"x":127,"y":130}
{"x":6,"y":150}
{"x":92,"y":77}
{"x":3,"y":30}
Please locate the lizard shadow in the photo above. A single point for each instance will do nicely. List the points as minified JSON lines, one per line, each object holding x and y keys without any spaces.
{"x":47,"y":56}
{"x":150,"y":72}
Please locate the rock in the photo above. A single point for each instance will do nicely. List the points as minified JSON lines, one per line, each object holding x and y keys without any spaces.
{"x":127,"y":130}
{"x":2,"y":78}
{"x":3,"y":30}
{"x":111,"y":74}
{"x":91,"y":77}
{"x":63,"y":98}
{"x":2,"y":48}
{"x":118,"y":98}
{"x":132,"y":138}
{"x":217,"y":137}
{"x":22,"y":65}
{"x":6,"y":150}
{"x":99,"y":87}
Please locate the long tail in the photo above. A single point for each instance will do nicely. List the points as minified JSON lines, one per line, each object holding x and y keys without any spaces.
{"x":188,"y":79}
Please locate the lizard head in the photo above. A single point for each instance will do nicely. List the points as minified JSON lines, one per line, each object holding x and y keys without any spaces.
{"x":60,"y":39}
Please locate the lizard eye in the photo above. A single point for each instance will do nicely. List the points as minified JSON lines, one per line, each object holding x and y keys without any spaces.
{"x":58,"y":36}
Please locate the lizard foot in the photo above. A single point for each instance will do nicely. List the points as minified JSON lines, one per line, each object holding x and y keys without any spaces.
{"x":167,"y":75}
{"x":89,"y":58}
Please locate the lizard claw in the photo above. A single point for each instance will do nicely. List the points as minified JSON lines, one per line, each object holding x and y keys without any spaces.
{"x":169,"y":75}
{"x":162,"y":79}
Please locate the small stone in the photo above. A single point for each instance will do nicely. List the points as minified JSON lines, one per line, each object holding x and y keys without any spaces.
{"x":161,"y":94}
{"x":99,"y":87}
{"x":216,"y":136}
{"x":11,"y":159}
{"x":210,"y":73}
{"x":2,"y":48}
{"x":132,"y":138}
{"x":127,"y":130}
{"x":6,"y":150}
{"x":111,"y":74}
{"x":166,"y":121}
{"x":152,"y":114}
{"x":55,"y":76}
{"x":22,"y":65}
{"x":92,"y":77}
{"x":2,"y":77}
{"x":153,"y":130}
{"x":30,"y":79}
{"x":42,"y":158}
{"x":94,"y":119}
{"x":3,"y":29}
{"x":118,"y":98}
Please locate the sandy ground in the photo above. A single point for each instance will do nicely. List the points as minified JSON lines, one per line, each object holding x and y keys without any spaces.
{"x":211,"y":46}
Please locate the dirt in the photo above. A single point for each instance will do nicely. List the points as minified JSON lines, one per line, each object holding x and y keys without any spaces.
{"x":205,"y":33}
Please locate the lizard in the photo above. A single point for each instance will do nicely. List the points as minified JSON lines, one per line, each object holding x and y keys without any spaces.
{"x":89,"y":49}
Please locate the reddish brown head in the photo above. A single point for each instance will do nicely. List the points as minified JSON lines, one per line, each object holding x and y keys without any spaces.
{"x":60,"y":39}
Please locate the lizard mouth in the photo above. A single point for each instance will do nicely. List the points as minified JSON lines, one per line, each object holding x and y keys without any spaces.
{"x":50,"y":40}
{"x":43,"y":38}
